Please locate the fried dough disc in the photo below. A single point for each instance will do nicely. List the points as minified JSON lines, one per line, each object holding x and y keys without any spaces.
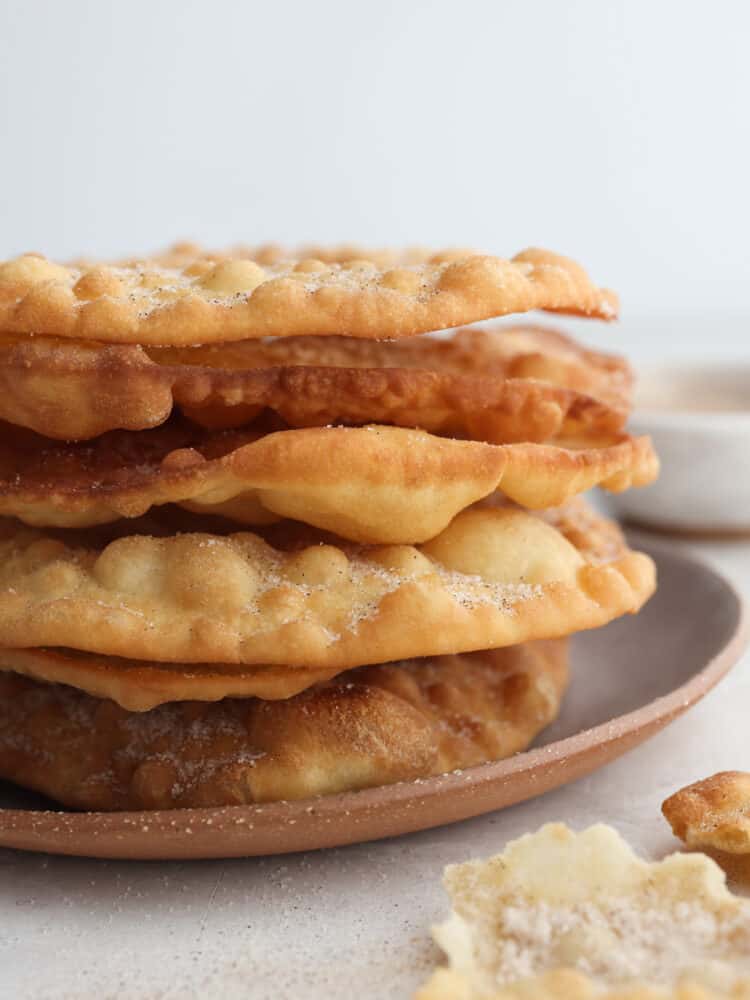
{"x":73,"y":390}
{"x":371,"y":726}
{"x":234,"y":299}
{"x":139,"y":685}
{"x":713,"y":813}
{"x":369,"y":484}
{"x":495,"y":577}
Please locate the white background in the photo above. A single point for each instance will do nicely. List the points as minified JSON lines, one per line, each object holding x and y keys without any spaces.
{"x":614,"y":131}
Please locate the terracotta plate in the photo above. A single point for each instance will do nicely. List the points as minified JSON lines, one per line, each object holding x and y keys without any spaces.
{"x":629,"y":680}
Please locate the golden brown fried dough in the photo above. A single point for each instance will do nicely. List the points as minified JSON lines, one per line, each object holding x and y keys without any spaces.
{"x":74,"y":390}
{"x":375,"y":484}
{"x":494,"y":577}
{"x":236,"y":299}
{"x":139,"y":685}
{"x":713,"y":813}
{"x":372,"y":726}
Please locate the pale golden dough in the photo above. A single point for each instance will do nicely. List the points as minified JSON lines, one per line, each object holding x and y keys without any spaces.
{"x":237,"y":299}
{"x":494,"y":577}
{"x":371,"y":726}
{"x":371,"y":484}
{"x":73,"y":389}
{"x":577,"y":915}
{"x":713,"y":813}
{"x":567,"y":984}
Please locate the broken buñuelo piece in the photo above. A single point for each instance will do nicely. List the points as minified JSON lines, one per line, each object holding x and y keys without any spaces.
{"x":713,"y":813}
{"x":561,"y":914}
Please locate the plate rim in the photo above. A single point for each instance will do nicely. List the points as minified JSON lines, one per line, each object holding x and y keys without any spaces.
{"x":625,"y":731}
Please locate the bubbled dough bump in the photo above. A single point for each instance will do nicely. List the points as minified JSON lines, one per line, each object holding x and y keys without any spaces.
{"x":375,"y":484}
{"x":234,"y":299}
{"x":187,"y":252}
{"x":371,"y":726}
{"x":236,"y":599}
{"x":74,"y":390}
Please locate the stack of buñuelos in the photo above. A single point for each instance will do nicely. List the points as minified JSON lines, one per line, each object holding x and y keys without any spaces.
{"x":259,"y":541}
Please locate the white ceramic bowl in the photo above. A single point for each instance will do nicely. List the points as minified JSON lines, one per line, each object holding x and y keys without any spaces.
{"x":699,"y":418}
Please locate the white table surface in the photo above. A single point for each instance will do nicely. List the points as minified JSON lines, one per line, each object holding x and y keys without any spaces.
{"x":351,"y":922}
